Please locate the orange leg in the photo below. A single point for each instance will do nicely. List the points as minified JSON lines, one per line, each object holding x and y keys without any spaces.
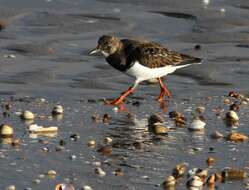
{"x":164,"y":91}
{"x":120,"y":99}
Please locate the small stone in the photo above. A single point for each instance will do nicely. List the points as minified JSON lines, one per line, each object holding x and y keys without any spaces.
{"x":200,"y":109}
{"x":27,"y":115}
{"x":210,"y":161}
{"x":51,"y":173}
{"x":156,"y":118}
{"x":11,"y":187}
{"x":179,"y":170}
{"x":36,"y":181}
{"x":227,"y":101}
{"x":86,"y":187}
{"x":169,"y":182}
{"x":216,"y":135}
{"x":236,"y":137}
{"x":97,"y":164}
{"x":75,"y":137}
{"x":233,"y":174}
{"x":91,"y":143}
{"x":160,"y":129}
{"x":234,"y":94}
{"x":106,"y":118}
{"x":6,"y":131}
{"x":57,"y":110}
{"x":99,"y":172}
{"x":105,"y":150}
{"x":16,"y":142}
{"x":64,"y":186}
{"x":118,"y":172}
{"x":108,"y":140}
{"x":73,"y":157}
{"x":197,"y":125}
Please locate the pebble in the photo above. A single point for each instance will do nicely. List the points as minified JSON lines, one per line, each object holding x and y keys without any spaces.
{"x":91,"y":143}
{"x":236,"y":137}
{"x":28,"y":115}
{"x":210,"y":161}
{"x":169,"y":182}
{"x":57,"y":110}
{"x":36,"y":181}
{"x":200,"y":109}
{"x":11,"y":187}
{"x":216,"y":135}
{"x":86,"y":187}
{"x":118,"y":172}
{"x":160,"y":129}
{"x":106,"y":118}
{"x":155,"y":119}
{"x":100,"y":172}
{"x":232,"y":119}
{"x":6,"y":131}
{"x":179,"y":170}
{"x":108,"y":140}
{"x":97,"y":164}
{"x":74,"y":137}
{"x":51,"y":173}
{"x":64,"y":186}
{"x":197,"y":125}
{"x":105,"y":150}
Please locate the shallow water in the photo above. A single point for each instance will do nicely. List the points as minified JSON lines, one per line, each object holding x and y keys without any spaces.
{"x":50,"y":41}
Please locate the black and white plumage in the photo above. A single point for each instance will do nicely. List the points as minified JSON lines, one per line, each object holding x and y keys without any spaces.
{"x":142,"y":60}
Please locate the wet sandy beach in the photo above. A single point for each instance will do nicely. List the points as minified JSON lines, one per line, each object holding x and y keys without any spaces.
{"x":44,"y":62}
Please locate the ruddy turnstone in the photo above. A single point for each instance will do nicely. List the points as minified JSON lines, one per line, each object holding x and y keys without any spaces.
{"x":142,"y":60}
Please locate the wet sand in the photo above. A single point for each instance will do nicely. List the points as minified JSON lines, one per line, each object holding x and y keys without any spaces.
{"x":43,"y":54}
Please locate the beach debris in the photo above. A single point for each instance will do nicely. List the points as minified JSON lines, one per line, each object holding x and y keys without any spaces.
{"x":195,"y":181}
{"x":105,"y":150}
{"x":91,"y":143}
{"x":27,"y":115}
{"x":210,"y":161}
{"x":10,"y":56}
{"x":169,"y":182}
{"x":232,"y":119}
{"x":235,"y":107}
{"x":200,"y":109}
{"x":57,"y":110}
{"x":236,"y":137}
{"x":179,"y":170}
{"x":36,"y":181}
{"x":197,"y":125}
{"x":6,"y":131}
{"x":234,"y":94}
{"x":34,"y":128}
{"x":154,"y":119}
{"x":233,"y":174}
{"x":216,"y":135}
{"x":74,"y":137}
{"x":86,"y":187}
{"x":118,"y":172}
{"x":10,"y":187}
{"x":108,"y":140}
{"x":106,"y":118}
{"x":51,"y":173}
{"x":64,"y":186}
{"x":99,"y":171}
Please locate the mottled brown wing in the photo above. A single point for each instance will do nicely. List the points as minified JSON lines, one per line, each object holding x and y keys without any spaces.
{"x":154,"y":55}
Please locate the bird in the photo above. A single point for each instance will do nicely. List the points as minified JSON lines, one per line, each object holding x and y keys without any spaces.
{"x":142,"y":60}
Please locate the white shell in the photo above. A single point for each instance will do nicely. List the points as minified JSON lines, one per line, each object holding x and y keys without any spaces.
{"x":195,"y":181}
{"x":87,"y":187}
{"x":197,"y":125}
{"x":27,"y":115}
{"x":6,"y":130}
{"x":58,"y":110}
{"x":232,"y":115}
{"x":99,"y":172}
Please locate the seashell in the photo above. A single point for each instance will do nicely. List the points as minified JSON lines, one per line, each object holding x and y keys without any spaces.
{"x":169,"y":182}
{"x":195,"y":181}
{"x":236,"y":137}
{"x":99,"y":172}
{"x":200,"y":109}
{"x":106,"y":118}
{"x":179,"y":170}
{"x":118,"y":172}
{"x":217,"y":135}
{"x":91,"y":143}
{"x":197,"y":125}
{"x":11,"y":187}
{"x":86,"y":187}
{"x":6,"y":131}
{"x":233,"y":174}
{"x":108,"y":140}
{"x":105,"y":150}
{"x":58,"y":109}
{"x":27,"y":115}
{"x":210,"y":161}
{"x":51,"y":173}
{"x":156,"y":118}
{"x":64,"y":186}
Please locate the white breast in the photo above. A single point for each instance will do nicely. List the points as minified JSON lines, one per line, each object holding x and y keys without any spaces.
{"x":142,"y":73}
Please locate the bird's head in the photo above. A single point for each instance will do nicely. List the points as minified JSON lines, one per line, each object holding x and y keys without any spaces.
{"x":107,"y":45}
